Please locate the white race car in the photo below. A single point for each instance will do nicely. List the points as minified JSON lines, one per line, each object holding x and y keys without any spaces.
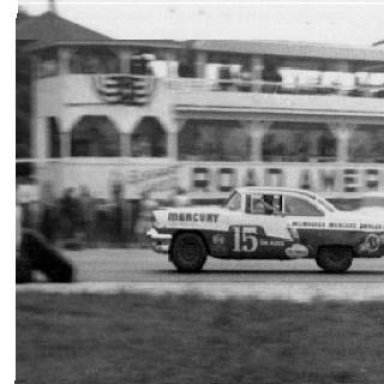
{"x":266,"y":223}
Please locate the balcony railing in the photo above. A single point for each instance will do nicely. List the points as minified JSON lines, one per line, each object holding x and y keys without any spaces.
{"x":259,"y":86}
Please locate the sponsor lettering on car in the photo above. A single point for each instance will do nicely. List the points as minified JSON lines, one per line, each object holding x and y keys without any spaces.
{"x":196,"y":217}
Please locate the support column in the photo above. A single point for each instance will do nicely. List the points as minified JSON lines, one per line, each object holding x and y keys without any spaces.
{"x":65,"y":144}
{"x":343,"y":133}
{"x":125,"y":61}
{"x":172,"y":147}
{"x":201,"y":62}
{"x":40,"y":138}
{"x":65,"y":60}
{"x":173,"y":131}
{"x":125,"y":144}
{"x":257,"y":130}
{"x":257,"y":66}
{"x":170,"y":56}
{"x":342,"y":67}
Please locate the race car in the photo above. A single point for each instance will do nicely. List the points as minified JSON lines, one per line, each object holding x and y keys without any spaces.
{"x":266,"y":223}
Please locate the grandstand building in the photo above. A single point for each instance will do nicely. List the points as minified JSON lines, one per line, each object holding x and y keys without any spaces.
{"x":204,"y":115}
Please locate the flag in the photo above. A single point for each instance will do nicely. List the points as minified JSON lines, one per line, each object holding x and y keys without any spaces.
{"x":124,"y":89}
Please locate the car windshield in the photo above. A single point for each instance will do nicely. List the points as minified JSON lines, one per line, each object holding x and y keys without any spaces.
{"x":372,"y":201}
{"x":233,"y":202}
{"x":326,"y":204}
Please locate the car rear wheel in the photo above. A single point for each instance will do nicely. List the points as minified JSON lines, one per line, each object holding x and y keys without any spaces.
{"x":188,"y":253}
{"x":334,"y":259}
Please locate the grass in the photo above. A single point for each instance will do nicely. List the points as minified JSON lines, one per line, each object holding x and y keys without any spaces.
{"x":133,"y":339}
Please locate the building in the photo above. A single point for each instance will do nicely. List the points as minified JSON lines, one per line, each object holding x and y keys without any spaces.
{"x":203,"y":115}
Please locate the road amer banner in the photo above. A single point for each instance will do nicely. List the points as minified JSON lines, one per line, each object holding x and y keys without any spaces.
{"x":205,"y":180}
{"x":327,"y":179}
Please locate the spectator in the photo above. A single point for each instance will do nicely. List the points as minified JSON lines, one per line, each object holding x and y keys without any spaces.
{"x":27,"y":196}
{"x":225,"y":77}
{"x":137,"y":66}
{"x":118,"y":214}
{"x":186,"y":67}
{"x":147,"y":206}
{"x":180,"y":198}
{"x":49,"y":221}
{"x":69,"y":214}
{"x":87,"y":216}
{"x":141,"y":65}
{"x":270,"y":74}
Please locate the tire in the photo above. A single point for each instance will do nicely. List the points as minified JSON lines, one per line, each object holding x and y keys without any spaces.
{"x":44,"y":258}
{"x":334,"y":259}
{"x":23,"y":271}
{"x":188,"y":253}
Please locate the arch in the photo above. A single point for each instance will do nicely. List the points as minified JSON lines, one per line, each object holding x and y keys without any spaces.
{"x":299,"y":141}
{"x":94,"y":60}
{"x":367,"y":144}
{"x":95,"y":136}
{"x":149,"y":138}
{"x":213,"y":140}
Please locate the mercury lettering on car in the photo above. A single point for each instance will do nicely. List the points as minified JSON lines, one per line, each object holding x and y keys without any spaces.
{"x":193,"y":217}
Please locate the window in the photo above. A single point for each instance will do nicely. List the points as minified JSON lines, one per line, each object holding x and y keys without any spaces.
{"x":367,"y":144}
{"x":295,"y":206}
{"x":48,"y":63}
{"x":234,"y":202}
{"x":299,"y":141}
{"x":94,"y":60}
{"x":213,"y":140}
{"x":263,"y":204}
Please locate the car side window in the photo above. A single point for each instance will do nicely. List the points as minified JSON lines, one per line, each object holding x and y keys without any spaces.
{"x":294,"y":206}
{"x":263,"y":204}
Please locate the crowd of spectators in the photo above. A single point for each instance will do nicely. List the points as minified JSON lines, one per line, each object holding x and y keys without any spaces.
{"x":76,"y":219}
{"x":274,"y":80}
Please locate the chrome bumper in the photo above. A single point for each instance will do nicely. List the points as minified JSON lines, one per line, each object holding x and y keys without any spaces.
{"x":159,"y":242}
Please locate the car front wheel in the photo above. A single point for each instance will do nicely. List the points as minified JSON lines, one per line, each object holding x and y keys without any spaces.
{"x":334,"y":259}
{"x":188,"y":253}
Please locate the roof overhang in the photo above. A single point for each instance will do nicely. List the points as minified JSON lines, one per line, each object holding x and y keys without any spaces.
{"x":112,"y":44}
{"x":277,"y":114}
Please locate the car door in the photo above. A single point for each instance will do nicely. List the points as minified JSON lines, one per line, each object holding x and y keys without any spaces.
{"x":260,"y":229}
{"x":306,"y":218}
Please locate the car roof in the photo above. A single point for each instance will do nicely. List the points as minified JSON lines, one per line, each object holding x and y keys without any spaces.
{"x":373,"y":194}
{"x":282,"y":190}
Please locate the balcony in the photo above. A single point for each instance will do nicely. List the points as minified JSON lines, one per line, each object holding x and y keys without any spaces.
{"x":238,"y":98}
{"x":235,"y":98}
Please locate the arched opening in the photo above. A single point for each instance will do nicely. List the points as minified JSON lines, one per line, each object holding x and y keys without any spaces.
{"x":95,"y":136}
{"x":299,"y":141}
{"x":149,"y":138}
{"x":214,"y":140}
{"x":53,"y":137}
{"x":94,"y":60}
{"x":367,"y":144}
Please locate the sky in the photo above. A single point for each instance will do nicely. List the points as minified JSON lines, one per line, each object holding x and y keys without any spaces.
{"x":338,"y":22}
